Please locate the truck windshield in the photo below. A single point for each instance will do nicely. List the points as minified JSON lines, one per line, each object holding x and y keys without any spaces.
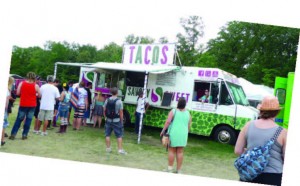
{"x":238,"y":94}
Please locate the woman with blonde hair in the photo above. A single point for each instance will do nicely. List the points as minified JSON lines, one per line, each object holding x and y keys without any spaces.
{"x":257,"y":133}
{"x":98,"y":109}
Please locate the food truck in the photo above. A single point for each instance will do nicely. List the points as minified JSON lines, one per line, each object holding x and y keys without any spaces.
{"x":283,"y":90}
{"x":151,"y":68}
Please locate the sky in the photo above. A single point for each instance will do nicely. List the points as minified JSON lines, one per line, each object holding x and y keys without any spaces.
{"x":91,"y":22}
{"x":98,"y":22}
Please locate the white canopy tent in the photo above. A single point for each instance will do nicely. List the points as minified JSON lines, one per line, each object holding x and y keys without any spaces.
{"x":255,"y":92}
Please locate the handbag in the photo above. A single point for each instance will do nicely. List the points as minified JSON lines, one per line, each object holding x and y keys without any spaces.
{"x":74,"y":98}
{"x":166,"y":137}
{"x":252,"y":163}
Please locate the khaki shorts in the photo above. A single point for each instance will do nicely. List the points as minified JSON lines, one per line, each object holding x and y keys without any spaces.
{"x":45,"y":115}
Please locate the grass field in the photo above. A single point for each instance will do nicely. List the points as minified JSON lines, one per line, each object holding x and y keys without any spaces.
{"x":202,"y":156}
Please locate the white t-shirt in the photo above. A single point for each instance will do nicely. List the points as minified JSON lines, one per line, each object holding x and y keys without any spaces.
{"x":140,"y":105}
{"x":48,"y":92}
{"x":81,"y":96}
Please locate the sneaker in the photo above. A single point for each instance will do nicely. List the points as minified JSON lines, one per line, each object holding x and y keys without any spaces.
{"x":24,"y":137}
{"x":12,"y":137}
{"x":122,"y":151}
{"x":6,"y":135}
{"x":178,"y":172}
{"x":44,"y":133}
{"x":2,"y":143}
{"x":168,"y":170}
{"x":108,"y":150}
{"x":36,"y":131}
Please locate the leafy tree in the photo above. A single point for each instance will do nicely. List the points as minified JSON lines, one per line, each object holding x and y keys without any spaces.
{"x":188,"y":48}
{"x":254,"y":51}
{"x":110,"y":53}
{"x":131,"y":39}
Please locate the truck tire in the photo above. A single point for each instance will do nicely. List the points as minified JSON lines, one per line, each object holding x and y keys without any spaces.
{"x":126,"y":118}
{"x":226,"y":135}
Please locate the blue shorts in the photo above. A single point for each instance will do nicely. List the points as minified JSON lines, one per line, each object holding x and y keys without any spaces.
{"x":117,"y":127}
{"x":87,"y":113}
{"x":5,"y":122}
{"x":63,"y":111}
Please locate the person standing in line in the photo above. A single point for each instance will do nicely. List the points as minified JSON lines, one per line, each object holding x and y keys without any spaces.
{"x":178,"y":125}
{"x":55,"y":114}
{"x":37,"y":108}
{"x":5,"y":121}
{"x":70,"y":90}
{"x":140,"y":110}
{"x":27,"y":90}
{"x":257,"y":132}
{"x":49,"y":94}
{"x":98,"y":109}
{"x":87,"y":112}
{"x":113,"y":112}
{"x":82,"y":105}
{"x":64,"y":108}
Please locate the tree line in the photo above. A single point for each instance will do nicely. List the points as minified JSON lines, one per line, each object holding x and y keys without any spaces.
{"x":253,"y":51}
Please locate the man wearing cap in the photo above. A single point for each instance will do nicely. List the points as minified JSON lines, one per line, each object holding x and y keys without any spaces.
{"x":49,"y":95}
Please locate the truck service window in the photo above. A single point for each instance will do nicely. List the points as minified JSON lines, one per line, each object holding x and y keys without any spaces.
{"x":135,"y":79}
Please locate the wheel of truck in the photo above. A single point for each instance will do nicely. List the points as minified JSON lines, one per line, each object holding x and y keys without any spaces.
{"x":226,"y":135}
{"x":126,"y":118}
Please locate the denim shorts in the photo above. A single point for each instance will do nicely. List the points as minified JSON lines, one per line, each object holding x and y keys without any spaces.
{"x":63,"y":111}
{"x":5,"y":122}
{"x":117,"y":127}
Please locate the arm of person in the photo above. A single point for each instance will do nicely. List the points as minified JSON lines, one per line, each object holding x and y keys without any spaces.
{"x":284,"y":135}
{"x":86,"y":103}
{"x":19,"y":89}
{"x":167,"y":123}
{"x":104,"y":109}
{"x":38,"y":91}
{"x":62,"y":96}
{"x":7,"y":101}
{"x":121,"y":116}
{"x":190,"y":123}
{"x":241,"y":141}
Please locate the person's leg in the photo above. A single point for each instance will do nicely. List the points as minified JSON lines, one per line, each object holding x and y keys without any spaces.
{"x":95,"y":118}
{"x":179,"y":158}
{"x":108,"y":130}
{"x":19,"y":119}
{"x":3,"y":137}
{"x":45,"y":126}
{"x":171,"y":157}
{"x":29,"y":116}
{"x":54,"y":118}
{"x":137,"y":122}
{"x":99,"y":121}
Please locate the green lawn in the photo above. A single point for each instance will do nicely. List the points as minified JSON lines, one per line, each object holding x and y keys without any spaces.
{"x":202,"y":156}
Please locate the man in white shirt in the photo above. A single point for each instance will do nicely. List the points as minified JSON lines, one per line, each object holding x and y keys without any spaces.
{"x":49,"y":95}
{"x":140,"y":109}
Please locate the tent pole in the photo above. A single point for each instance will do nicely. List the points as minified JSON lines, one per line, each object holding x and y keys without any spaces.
{"x":143,"y":106}
{"x":55,"y":70}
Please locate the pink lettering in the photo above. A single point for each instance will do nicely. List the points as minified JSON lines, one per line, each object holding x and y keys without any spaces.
{"x":131,"y":53}
{"x":165,"y":58}
{"x":146,"y":60}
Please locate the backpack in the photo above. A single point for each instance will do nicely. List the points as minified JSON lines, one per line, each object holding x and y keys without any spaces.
{"x":253,"y":162}
{"x":67,"y":97}
{"x":110,"y":110}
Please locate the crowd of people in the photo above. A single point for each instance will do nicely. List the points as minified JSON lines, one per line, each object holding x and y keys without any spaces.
{"x":52,"y":101}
